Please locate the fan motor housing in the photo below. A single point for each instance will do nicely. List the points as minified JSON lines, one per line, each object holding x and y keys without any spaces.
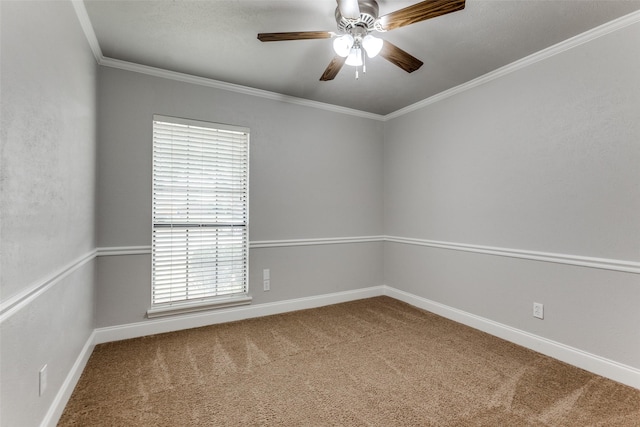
{"x":367,"y":19}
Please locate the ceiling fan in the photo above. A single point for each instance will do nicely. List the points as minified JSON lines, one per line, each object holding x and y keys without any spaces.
{"x":356,"y":19}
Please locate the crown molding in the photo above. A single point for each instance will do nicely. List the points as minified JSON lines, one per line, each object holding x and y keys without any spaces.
{"x":602,"y":30}
{"x":87,"y":28}
{"x":245,"y":90}
{"x":90,"y":34}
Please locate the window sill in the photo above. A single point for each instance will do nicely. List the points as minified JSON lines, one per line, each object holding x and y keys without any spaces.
{"x":190,"y":307}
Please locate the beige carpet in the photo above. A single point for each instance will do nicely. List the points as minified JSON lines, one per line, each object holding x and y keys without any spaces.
{"x":374,"y":362}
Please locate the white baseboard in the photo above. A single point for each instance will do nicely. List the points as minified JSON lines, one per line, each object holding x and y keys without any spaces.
{"x":134,"y":330}
{"x":62,"y":397}
{"x":151,"y":327}
{"x":576,"y":357}
{"x":573,"y":356}
{"x":590,"y":362}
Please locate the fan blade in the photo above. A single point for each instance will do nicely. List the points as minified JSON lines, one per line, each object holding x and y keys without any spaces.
{"x":419,"y":12}
{"x":349,"y":9}
{"x":294,"y":35}
{"x":333,"y":69}
{"x":399,"y":57}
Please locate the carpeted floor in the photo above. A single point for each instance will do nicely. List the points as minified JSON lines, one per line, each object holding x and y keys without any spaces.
{"x":374,"y":362}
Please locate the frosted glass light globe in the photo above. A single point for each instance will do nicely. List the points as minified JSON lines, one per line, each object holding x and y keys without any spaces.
{"x":342,"y":45}
{"x":372,"y":45}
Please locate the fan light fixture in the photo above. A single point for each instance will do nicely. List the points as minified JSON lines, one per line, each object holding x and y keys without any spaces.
{"x":372,"y":45}
{"x":351,"y":47}
{"x":355,"y":19}
{"x":342,"y":45}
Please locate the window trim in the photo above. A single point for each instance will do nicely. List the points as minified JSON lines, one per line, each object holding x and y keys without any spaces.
{"x":206,"y":303}
{"x":192,"y":307}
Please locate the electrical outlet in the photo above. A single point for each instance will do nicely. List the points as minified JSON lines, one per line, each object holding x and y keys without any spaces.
{"x":42,"y":380}
{"x":538,"y":310}
{"x":266,"y":279}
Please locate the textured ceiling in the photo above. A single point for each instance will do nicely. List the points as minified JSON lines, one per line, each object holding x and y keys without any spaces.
{"x":216,"y":39}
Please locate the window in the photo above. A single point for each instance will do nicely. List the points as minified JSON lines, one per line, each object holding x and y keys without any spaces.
{"x":200,"y":244}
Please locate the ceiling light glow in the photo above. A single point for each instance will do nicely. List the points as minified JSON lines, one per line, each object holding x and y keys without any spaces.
{"x":372,"y":45}
{"x":355,"y":57}
{"x":342,"y":45}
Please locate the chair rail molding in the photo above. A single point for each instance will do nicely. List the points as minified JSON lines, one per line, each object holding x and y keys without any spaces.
{"x":577,"y":260}
{"x":20,"y":300}
{"x":558,"y":258}
{"x":16,"y":302}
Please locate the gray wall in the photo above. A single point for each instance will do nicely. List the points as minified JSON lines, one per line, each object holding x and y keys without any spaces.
{"x":546,"y":159}
{"x":543,"y":159}
{"x":313,"y":174}
{"x":47,"y":201}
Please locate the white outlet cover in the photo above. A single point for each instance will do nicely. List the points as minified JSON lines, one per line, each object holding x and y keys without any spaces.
{"x":538,"y":310}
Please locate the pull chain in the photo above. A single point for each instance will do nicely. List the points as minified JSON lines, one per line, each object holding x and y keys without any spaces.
{"x":364,"y":63}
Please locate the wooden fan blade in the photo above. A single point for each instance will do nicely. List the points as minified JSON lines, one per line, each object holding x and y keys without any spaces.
{"x":294,"y":35}
{"x":349,"y":9}
{"x":399,"y":57}
{"x":419,"y":12}
{"x":334,"y":67}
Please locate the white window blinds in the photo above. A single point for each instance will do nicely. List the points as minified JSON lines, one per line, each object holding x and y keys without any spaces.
{"x":200,"y":211}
